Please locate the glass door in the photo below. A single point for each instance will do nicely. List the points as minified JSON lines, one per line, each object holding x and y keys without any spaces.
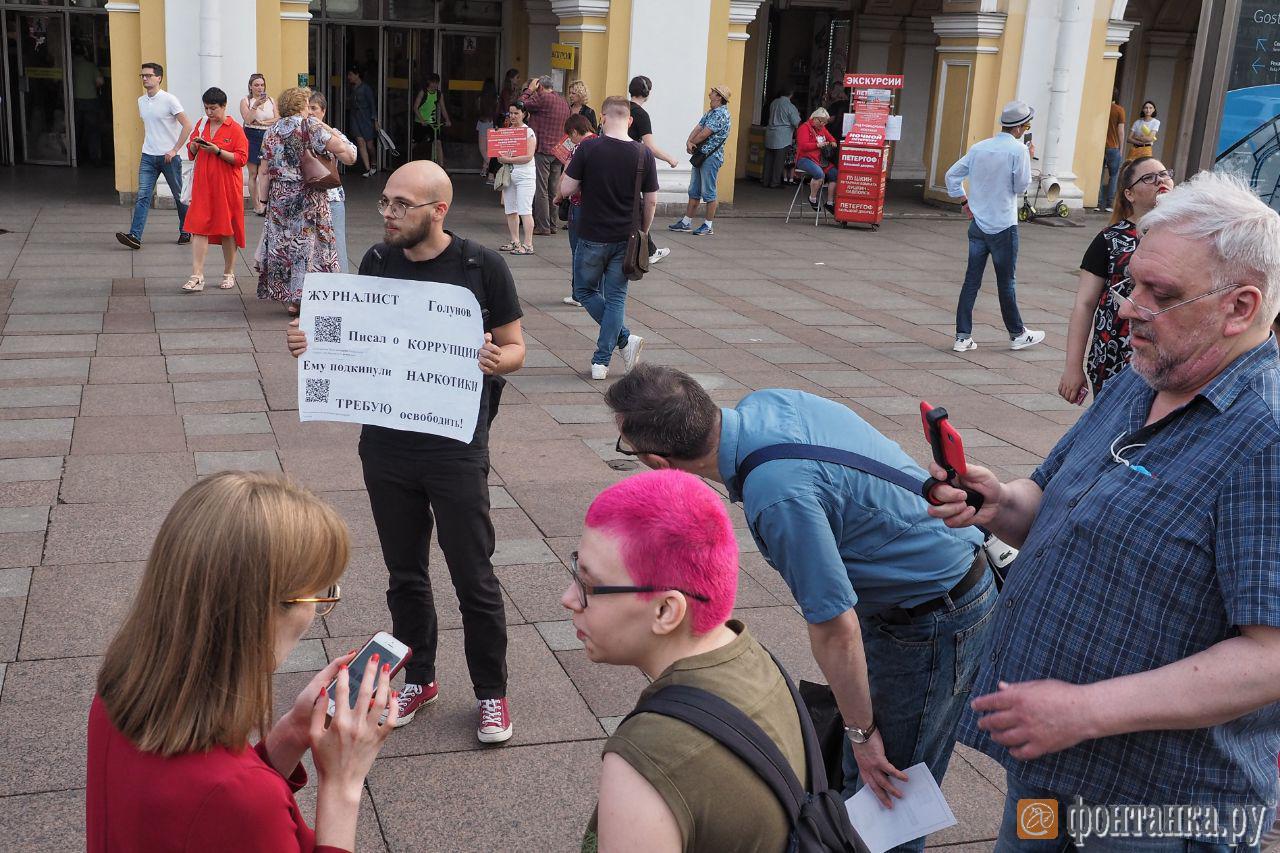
{"x":91,"y":90}
{"x":43,"y":125}
{"x":470,"y":60}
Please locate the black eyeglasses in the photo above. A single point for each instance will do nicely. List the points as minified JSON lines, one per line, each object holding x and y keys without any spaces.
{"x":626,"y":451}
{"x":585,"y":589}
{"x":1152,"y":178}
{"x":398,"y":209}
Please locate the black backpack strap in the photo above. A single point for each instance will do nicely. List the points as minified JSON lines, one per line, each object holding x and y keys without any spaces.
{"x":834,"y":455}
{"x":729,"y":726}
{"x":472,"y":265}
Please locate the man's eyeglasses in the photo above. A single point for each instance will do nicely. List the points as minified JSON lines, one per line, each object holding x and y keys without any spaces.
{"x":1117,"y":294}
{"x":585,"y":589}
{"x":627,"y":451}
{"x":146,"y":76}
{"x":324,"y":603}
{"x":398,"y":209}
{"x":1152,"y":178}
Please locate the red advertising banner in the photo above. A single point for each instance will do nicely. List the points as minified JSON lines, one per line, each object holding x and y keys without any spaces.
{"x":860,"y":186}
{"x":508,"y":142}
{"x":859,"y":210}
{"x":872,"y":81}
{"x":864,"y":160}
{"x":866,"y":136}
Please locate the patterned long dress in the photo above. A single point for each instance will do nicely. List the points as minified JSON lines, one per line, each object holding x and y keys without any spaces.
{"x":1109,"y":347}
{"x":298,"y":236}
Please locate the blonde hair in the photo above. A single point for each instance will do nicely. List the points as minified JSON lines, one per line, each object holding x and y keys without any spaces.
{"x":821,"y":114}
{"x":190,"y":667}
{"x":581,"y":88}
{"x":293,"y":101}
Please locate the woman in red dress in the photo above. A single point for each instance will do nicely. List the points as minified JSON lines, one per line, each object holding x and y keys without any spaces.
{"x":216,"y":215}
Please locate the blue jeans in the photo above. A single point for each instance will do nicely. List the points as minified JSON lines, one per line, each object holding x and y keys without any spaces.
{"x":573,"y":242}
{"x":1111,"y":161}
{"x":1003,"y":249}
{"x":338,"y":216}
{"x":1009,"y":842}
{"x":920,"y":674}
{"x":813,"y":170}
{"x":601,"y":287}
{"x":702,"y":180}
{"x":149,"y":168}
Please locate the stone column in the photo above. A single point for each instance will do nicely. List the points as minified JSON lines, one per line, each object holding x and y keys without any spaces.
{"x":913,"y":101}
{"x":741,"y":14}
{"x":295,"y":18}
{"x":124,"y":22}
{"x":966,"y":105}
{"x":585,"y":23}
{"x":542,"y":34}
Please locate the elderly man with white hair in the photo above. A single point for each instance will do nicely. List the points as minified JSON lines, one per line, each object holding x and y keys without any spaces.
{"x":1135,"y":652}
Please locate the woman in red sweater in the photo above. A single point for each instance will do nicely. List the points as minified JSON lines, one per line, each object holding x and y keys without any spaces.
{"x":811,"y":138}
{"x":232,"y":582}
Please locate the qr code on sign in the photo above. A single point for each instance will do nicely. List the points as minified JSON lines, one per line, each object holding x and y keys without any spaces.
{"x":328,"y":330}
{"x":317,"y":390}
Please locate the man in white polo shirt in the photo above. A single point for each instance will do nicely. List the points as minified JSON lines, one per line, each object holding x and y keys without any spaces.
{"x":165,"y":128}
{"x":999,"y":171}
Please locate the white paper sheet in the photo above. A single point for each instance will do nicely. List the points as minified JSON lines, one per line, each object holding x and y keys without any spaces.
{"x":921,"y":810}
{"x":391,"y":352}
{"x":893,"y":128}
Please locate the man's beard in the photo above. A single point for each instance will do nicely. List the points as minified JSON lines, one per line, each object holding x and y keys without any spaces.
{"x":405,"y":238}
{"x":1159,"y":367}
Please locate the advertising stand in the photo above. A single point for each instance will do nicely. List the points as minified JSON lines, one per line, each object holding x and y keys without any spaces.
{"x":863,"y":166}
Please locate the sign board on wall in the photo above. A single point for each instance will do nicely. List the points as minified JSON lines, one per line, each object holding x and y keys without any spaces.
{"x":1247,"y":135}
{"x":564,"y":56}
{"x":873,"y":81}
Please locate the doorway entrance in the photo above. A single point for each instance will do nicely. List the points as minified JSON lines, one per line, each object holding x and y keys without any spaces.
{"x":57,"y":104}
{"x":395,"y":61}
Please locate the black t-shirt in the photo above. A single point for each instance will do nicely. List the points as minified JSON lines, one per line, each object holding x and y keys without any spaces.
{"x":495,"y":290}
{"x":641,"y":126}
{"x":1097,"y":258}
{"x":607,"y":169}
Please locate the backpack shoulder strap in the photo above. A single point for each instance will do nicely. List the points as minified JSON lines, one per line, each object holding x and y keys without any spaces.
{"x":819,"y":453}
{"x":729,"y":726}
{"x":638,"y":202}
{"x":472,"y":263}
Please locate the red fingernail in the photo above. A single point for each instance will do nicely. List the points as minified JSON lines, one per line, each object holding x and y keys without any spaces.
{"x":343,"y":667}
{"x":395,"y":695}
{"x":386,"y":667}
{"x":374,"y":658}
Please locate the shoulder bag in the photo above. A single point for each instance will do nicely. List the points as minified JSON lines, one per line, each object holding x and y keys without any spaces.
{"x":699,"y":157}
{"x":635,"y":263}
{"x":318,"y":174}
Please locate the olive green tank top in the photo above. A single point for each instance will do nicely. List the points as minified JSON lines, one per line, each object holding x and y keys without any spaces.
{"x":720,"y":804}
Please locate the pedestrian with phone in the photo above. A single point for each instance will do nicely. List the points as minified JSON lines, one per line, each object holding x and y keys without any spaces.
{"x":1097,"y":338}
{"x":999,"y":171}
{"x":259,"y":112}
{"x":165,"y":130}
{"x":705,"y":147}
{"x":896,"y":604}
{"x":1136,"y":657}
{"x":417,"y":480}
{"x":220,"y":149}
{"x":241,"y":567}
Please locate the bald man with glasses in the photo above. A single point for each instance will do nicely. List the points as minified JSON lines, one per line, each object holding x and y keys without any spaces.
{"x":415,"y":479}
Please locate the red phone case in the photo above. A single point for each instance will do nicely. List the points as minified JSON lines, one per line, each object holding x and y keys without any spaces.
{"x":948,"y":448}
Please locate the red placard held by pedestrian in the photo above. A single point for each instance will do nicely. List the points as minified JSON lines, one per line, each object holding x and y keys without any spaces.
{"x":564,"y":150}
{"x":508,"y":142}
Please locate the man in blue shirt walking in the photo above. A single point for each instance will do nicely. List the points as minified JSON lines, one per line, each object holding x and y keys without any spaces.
{"x":999,"y":171}
{"x":1135,"y":657}
{"x":895,"y":602}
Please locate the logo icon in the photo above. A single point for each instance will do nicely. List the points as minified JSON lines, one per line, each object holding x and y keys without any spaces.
{"x":1037,"y":819}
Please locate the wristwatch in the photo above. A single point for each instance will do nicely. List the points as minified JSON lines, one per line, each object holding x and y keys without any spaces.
{"x":858,"y":735}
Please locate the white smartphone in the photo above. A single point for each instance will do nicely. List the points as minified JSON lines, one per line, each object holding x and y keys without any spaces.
{"x":387,"y":648}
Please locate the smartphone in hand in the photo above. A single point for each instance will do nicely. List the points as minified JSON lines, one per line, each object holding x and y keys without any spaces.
{"x":948,"y":452}
{"x":387,"y":648}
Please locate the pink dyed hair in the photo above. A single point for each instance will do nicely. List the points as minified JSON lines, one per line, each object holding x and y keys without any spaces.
{"x":674,"y":532}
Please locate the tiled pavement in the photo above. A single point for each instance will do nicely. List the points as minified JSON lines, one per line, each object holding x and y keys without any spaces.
{"x":117,"y":391}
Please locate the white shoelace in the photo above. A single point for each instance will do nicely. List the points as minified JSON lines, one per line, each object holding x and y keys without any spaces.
{"x":491,"y":712}
{"x":408,"y":694}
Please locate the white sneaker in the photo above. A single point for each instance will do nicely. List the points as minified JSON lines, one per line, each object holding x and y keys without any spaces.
{"x":964,"y":344}
{"x":631,"y":352}
{"x":1028,"y":338}
{"x":658,"y":255}
{"x":569,"y":300}
{"x":599,"y":371}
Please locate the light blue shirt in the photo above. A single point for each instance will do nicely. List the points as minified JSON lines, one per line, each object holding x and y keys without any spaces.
{"x":999,"y":171}
{"x":784,"y":118}
{"x":840,"y":538}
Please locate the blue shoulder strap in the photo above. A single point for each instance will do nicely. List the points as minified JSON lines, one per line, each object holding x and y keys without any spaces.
{"x":834,"y":455}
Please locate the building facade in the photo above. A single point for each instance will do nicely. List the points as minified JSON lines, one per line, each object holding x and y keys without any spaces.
{"x":961,"y":60}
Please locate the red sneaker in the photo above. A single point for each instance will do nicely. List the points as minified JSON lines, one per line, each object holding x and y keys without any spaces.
{"x":495,"y":721}
{"x":413,"y":697}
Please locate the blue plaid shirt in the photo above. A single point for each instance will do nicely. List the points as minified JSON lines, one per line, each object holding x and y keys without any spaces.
{"x":1123,"y":573}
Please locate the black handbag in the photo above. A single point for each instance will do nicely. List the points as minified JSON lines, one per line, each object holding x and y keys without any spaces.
{"x":699,"y":157}
{"x":562,"y":210}
{"x":635,"y":263}
{"x":829,"y":727}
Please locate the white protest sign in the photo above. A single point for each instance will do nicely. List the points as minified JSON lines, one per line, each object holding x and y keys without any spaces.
{"x":391,"y":352}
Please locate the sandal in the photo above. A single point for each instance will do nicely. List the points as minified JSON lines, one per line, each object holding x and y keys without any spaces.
{"x":228,"y":281}
{"x":195,"y":284}
{"x":509,"y":247}
{"x":522,"y":249}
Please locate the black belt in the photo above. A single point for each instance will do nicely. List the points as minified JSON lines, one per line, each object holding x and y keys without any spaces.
{"x":899,"y":615}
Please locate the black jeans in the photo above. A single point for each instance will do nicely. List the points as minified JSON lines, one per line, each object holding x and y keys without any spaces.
{"x":407,"y":495}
